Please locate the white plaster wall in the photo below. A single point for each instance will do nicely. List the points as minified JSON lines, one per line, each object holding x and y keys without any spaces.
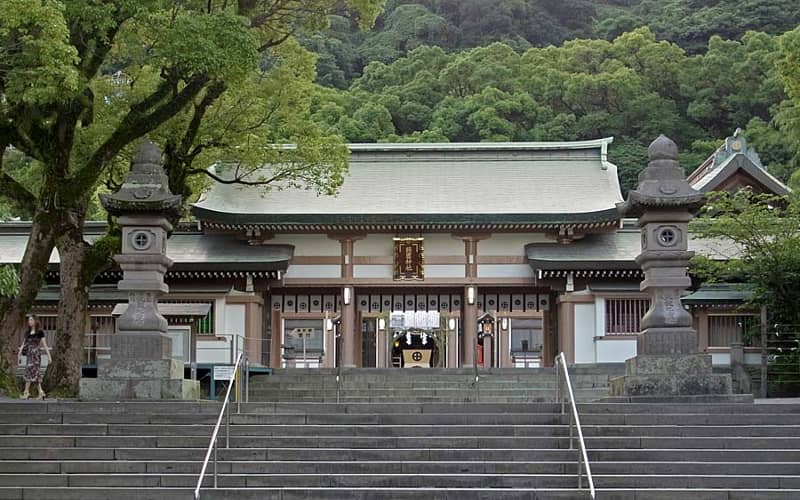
{"x":600,"y":317}
{"x":219,"y":316}
{"x":505,"y":271}
{"x":615,"y":351}
{"x":445,"y":271}
{"x":375,"y":245}
{"x":373,"y":271}
{"x":234,"y":319}
{"x":229,"y":319}
{"x":311,"y":271}
{"x":443,"y":245}
{"x":308,"y":244}
{"x":509,"y":243}
{"x":584,"y":333}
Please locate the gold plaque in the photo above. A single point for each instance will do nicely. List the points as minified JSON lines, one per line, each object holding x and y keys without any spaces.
{"x":409,"y":259}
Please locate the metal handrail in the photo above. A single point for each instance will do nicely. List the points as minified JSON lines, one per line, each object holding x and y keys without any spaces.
{"x":477,"y":378}
{"x":583,"y":457}
{"x":337,"y":340}
{"x":212,"y":446}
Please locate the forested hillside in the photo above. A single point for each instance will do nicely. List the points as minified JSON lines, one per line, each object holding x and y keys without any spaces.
{"x":517,"y":70}
{"x":453,"y":25}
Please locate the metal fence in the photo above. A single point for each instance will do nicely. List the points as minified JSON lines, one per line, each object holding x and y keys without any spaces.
{"x":780,"y":362}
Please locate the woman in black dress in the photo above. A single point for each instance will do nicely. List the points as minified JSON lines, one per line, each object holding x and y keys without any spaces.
{"x":32,"y":347}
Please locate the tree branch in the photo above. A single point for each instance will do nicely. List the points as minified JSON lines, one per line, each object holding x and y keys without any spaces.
{"x":12,"y":189}
{"x":17,"y":193}
{"x":133,"y":126}
{"x":236,"y":180}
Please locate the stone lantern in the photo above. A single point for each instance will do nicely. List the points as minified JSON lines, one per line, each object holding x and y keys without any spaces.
{"x":667,"y":361}
{"x":141,"y":364}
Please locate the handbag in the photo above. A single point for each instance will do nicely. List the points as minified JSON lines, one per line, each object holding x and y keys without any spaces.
{"x":25,"y":350}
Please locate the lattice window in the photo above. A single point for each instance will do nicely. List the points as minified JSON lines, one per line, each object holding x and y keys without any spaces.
{"x":527,"y":336}
{"x":723,"y":330}
{"x":624,"y":316}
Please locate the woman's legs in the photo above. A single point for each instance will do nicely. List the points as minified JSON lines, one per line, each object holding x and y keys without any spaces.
{"x":27,"y":392}
{"x":41,"y":391}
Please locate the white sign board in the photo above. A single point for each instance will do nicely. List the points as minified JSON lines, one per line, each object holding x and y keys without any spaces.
{"x":223,"y":372}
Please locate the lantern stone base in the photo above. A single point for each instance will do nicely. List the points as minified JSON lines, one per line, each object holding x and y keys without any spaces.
{"x":97,"y":389}
{"x":671,"y":340}
{"x":670,"y":375}
{"x":139,"y":368}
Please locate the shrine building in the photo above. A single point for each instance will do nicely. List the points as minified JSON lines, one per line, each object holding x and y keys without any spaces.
{"x":431,"y":255}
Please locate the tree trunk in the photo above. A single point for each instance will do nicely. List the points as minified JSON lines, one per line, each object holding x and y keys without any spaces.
{"x":65,"y":368}
{"x":32,"y":275}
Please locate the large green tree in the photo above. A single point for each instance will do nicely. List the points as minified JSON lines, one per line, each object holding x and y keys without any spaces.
{"x":760,"y":235}
{"x":81,"y":81}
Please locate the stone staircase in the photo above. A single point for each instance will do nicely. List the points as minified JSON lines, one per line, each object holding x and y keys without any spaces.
{"x":399,"y":451}
{"x":375,"y":385}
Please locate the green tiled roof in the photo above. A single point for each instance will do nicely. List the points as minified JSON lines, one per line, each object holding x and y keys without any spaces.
{"x":189,"y":252}
{"x":97,"y":293}
{"x":723,"y":293}
{"x":474,"y":183}
{"x":617,"y":250}
{"x":735,"y":154}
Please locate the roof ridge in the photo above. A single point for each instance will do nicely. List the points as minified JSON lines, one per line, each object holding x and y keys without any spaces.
{"x":482,"y":146}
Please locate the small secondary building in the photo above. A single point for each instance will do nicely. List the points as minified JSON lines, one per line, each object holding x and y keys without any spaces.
{"x":443,"y":255}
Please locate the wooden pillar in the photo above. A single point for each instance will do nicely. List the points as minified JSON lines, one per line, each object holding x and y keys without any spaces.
{"x":329,"y":336}
{"x":549,"y":333}
{"x":470,"y":326}
{"x":469,"y":319}
{"x":701,"y":326}
{"x":348,"y":327}
{"x":566,"y":328}
{"x":277,"y":339}
{"x":452,"y":344}
{"x":381,"y":341}
{"x":504,"y":343}
{"x":487,"y":351}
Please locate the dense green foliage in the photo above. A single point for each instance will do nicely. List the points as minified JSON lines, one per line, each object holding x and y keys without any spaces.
{"x":83,"y":81}
{"x":764,"y":229}
{"x":634,"y":88}
{"x":485,"y":70}
{"x":456,"y":25}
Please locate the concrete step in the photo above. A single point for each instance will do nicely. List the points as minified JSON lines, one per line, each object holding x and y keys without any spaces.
{"x":391,"y":494}
{"x":405,"y":467}
{"x":31,"y":409}
{"x":405,"y":442}
{"x":401,"y":480}
{"x":354,"y":416}
{"x":408,"y":454}
{"x":399,"y":450}
{"x":205,"y":430}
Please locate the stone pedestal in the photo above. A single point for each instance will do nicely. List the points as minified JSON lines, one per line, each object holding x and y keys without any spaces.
{"x":650,"y":375}
{"x":141,"y":364}
{"x":667,"y":364}
{"x":140,"y":367}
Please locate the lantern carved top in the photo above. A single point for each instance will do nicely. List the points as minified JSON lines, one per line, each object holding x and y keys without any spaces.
{"x":145,"y":189}
{"x":662,"y":185}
